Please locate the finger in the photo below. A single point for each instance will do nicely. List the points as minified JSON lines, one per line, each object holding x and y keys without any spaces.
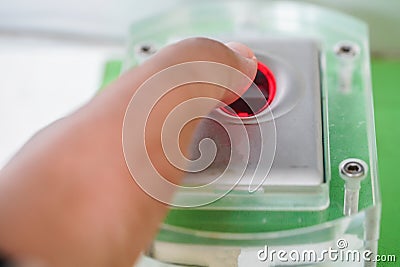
{"x":234,"y":55}
{"x":92,"y":212}
{"x":156,"y":101}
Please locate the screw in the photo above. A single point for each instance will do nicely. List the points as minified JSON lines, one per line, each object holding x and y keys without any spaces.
{"x":347,"y":50}
{"x":146,"y":49}
{"x":353,"y":169}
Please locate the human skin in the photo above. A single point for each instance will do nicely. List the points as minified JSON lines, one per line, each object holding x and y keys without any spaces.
{"x":67,"y":197}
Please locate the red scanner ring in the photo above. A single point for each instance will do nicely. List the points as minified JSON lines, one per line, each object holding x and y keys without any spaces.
{"x":265,"y":82}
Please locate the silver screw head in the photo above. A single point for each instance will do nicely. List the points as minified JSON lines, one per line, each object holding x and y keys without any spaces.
{"x":347,"y":50}
{"x":353,"y":168}
{"x":147,"y":49}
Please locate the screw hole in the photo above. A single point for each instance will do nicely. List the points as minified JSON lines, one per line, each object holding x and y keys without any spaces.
{"x":345,"y":49}
{"x":146,"y":49}
{"x":348,"y":50}
{"x":353,"y":168}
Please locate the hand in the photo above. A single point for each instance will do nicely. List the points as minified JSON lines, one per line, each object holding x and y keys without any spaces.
{"x":68,"y":199}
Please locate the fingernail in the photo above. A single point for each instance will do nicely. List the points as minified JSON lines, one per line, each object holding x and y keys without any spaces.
{"x":241,"y":49}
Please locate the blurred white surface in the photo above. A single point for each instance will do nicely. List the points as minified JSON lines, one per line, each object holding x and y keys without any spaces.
{"x":90,"y":18}
{"x":41,"y":81}
{"x":111,"y":19}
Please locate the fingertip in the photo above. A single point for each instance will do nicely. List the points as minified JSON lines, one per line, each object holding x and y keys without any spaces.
{"x":249,"y":62}
{"x":241,"y":49}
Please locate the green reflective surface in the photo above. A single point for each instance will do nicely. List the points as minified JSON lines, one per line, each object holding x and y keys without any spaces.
{"x":386,"y":88}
